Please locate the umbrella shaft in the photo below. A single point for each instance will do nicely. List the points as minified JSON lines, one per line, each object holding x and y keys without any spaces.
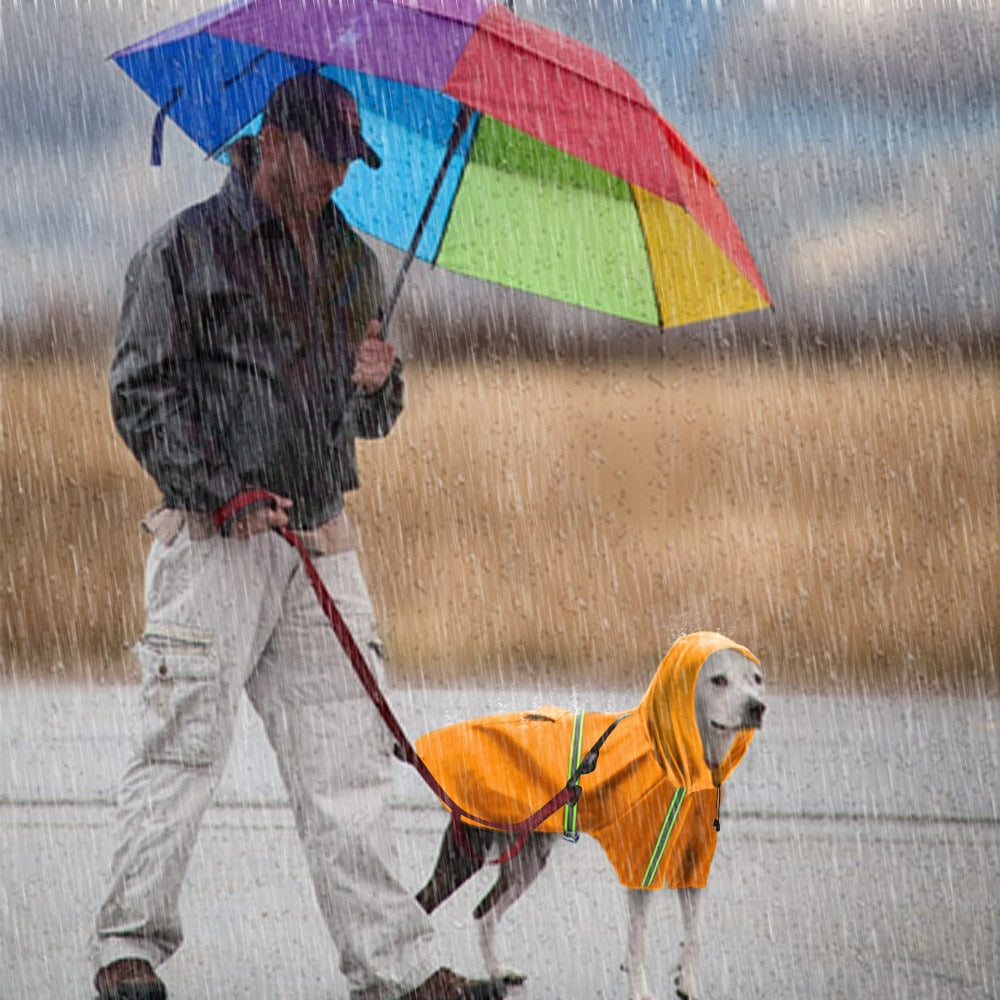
{"x":462,"y":120}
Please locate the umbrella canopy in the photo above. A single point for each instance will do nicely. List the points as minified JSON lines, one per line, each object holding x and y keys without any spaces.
{"x":510,"y":152}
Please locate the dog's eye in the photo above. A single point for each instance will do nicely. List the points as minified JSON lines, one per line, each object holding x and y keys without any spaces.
{"x":758,"y":678}
{"x":720,"y":680}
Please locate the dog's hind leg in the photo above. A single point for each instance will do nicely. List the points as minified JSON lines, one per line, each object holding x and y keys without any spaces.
{"x":688,"y":978}
{"x":515,"y":877}
{"x":635,"y":955}
{"x":455,"y":865}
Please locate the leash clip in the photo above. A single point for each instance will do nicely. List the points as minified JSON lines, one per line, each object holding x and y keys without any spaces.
{"x":570,"y":832}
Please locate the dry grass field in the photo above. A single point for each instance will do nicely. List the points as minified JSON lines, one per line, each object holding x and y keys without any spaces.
{"x":530,"y":520}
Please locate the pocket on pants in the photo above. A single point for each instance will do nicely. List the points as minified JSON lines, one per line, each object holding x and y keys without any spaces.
{"x":181,"y":691}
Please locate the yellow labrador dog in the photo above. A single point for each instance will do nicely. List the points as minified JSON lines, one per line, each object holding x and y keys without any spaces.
{"x":652,"y":801}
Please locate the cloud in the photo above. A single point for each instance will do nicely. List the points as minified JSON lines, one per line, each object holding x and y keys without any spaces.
{"x":855,"y":143}
{"x":924,"y":250}
{"x":931,"y":57}
{"x":71,"y":218}
{"x":79,"y":194}
{"x":55,"y":86}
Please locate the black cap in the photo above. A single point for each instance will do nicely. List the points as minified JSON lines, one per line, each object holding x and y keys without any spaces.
{"x":324,"y":113}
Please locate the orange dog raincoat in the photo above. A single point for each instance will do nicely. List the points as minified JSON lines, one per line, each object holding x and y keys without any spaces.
{"x":651,"y":802}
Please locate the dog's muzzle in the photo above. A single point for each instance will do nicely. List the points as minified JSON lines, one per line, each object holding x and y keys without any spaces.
{"x":753,"y":714}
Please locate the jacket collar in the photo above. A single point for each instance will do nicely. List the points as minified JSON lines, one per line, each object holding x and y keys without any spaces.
{"x":248,"y":210}
{"x":252,"y":214}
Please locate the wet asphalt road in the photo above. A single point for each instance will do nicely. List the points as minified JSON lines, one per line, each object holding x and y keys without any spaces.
{"x":859,"y":857}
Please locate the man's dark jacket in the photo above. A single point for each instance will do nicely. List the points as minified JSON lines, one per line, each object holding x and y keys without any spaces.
{"x":232,"y":370}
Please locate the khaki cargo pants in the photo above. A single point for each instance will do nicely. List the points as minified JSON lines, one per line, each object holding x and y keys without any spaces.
{"x":226,"y":616}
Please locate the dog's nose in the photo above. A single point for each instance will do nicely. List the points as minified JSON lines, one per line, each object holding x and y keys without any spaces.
{"x":754,"y":714}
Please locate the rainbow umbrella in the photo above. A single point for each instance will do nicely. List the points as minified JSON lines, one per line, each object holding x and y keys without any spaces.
{"x":510,"y":152}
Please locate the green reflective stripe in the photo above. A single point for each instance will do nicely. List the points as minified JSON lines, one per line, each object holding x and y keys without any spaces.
{"x":575,"y":755}
{"x":663,"y":838}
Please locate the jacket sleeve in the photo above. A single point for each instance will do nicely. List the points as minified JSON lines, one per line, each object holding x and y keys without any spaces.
{"x":153,"y":401}
{"x":375,"y":413}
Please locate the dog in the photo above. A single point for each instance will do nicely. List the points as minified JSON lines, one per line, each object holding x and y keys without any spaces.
{"x":652,"y":801}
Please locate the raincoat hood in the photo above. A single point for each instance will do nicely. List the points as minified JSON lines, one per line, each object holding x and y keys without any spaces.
{"x":667,"y":713}
{"x":651,"y":802}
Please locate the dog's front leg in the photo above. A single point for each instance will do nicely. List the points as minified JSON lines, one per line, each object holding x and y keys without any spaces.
{"x":486,"y":927}
{"x":515,"y":876}
{"x":689,"y":977}
{"x":635,"y":956}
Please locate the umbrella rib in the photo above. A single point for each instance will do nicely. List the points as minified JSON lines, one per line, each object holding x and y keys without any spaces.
{"x":451,"y":206}
{"x":306,"y":65}
{"x":248,"y":68}
{"x":648,"y":256}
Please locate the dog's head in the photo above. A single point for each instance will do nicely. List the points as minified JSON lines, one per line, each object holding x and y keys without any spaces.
{"x":728,"y":698}
{"x":682,"y":701}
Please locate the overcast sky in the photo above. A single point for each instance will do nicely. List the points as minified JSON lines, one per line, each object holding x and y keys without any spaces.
{"x":858,"y":146}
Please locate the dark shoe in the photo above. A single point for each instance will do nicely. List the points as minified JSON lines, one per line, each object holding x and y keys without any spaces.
{"x":448,"y":985}
{"x":129,"y":979}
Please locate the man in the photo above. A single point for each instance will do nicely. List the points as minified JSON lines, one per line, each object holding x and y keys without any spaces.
{"x":247,"y":359}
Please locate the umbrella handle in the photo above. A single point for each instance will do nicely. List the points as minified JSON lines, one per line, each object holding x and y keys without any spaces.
{"x":462,"y":119}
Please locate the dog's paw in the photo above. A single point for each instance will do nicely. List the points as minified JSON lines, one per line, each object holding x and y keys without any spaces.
{"x":637,"y":988}
{"x":685,"y":991}
{"x":506,"y":975}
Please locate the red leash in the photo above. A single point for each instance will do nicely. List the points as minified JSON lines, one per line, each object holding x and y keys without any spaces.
{"x":570,"y":793}
{"x":250,"y":499}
